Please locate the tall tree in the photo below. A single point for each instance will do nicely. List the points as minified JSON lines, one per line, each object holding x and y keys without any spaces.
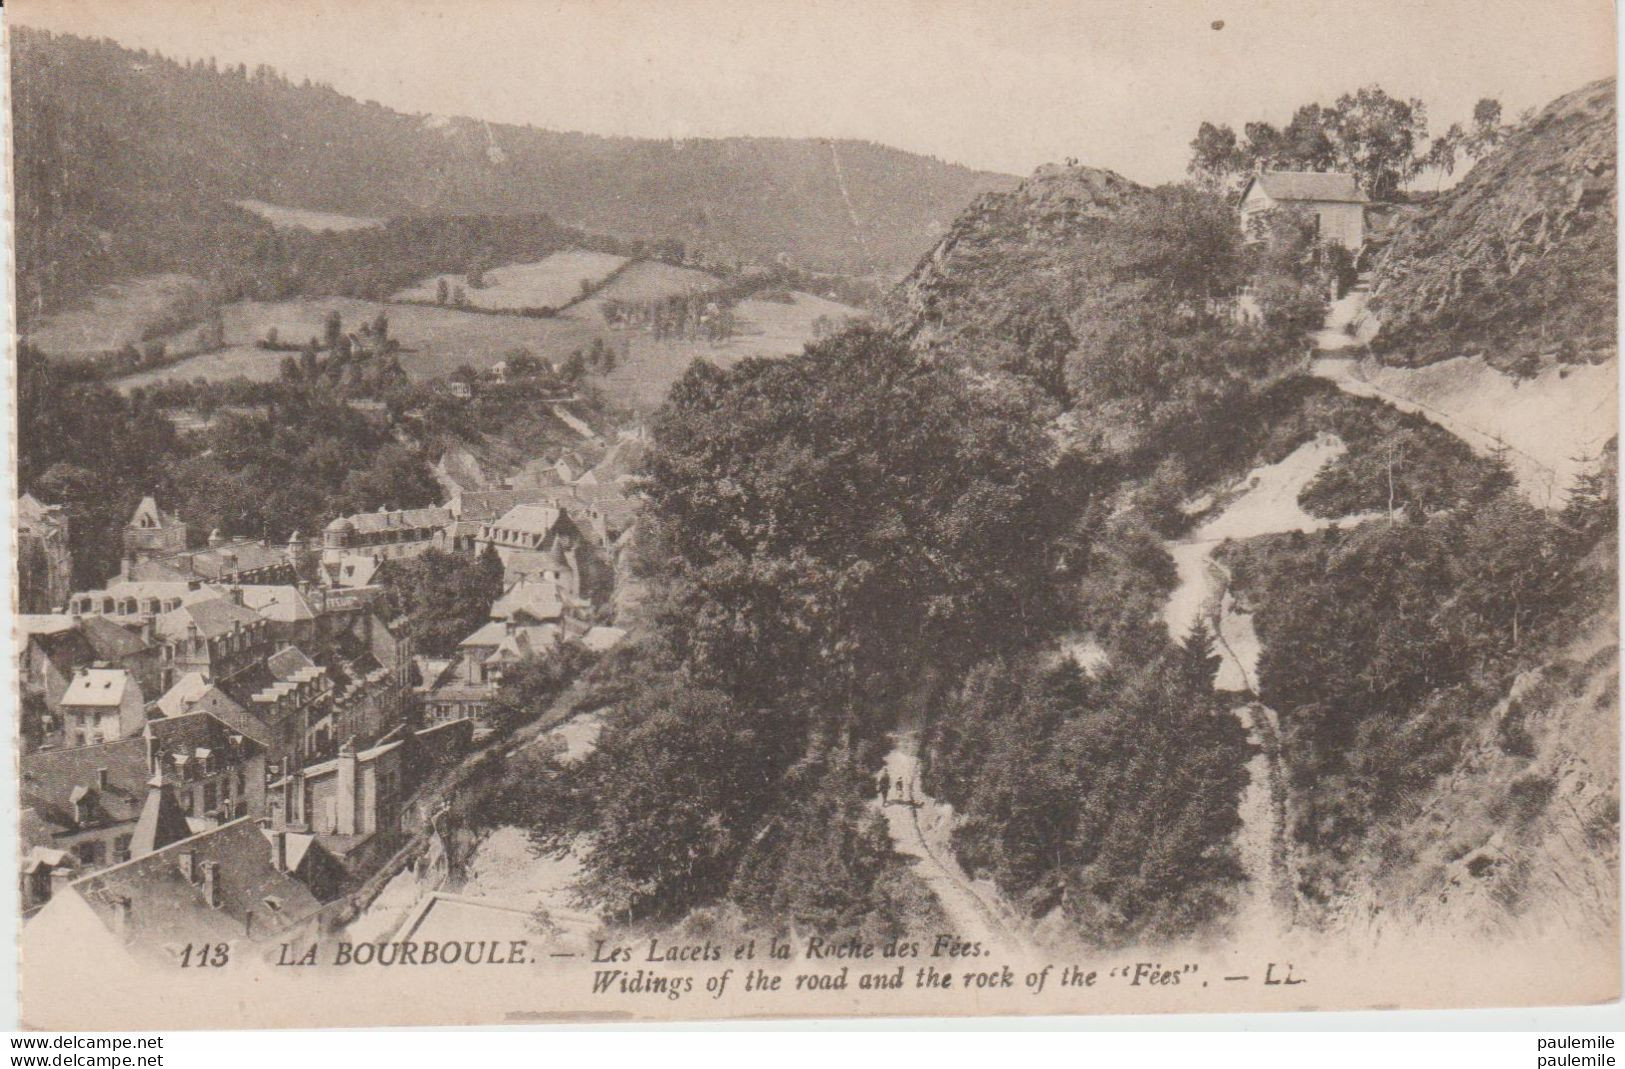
{"x":1309,"y":141}
{"x":1216,"y":157}
{"x":1380,"y":139}
{"x":445,"y":597}
{"x":832,"y":517}
{"x":1487,"y":130}
{"x":1442,"y":153}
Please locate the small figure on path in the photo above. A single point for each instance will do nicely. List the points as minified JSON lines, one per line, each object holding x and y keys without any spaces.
{"x":885,"y":787}
{"x":899,"y":788}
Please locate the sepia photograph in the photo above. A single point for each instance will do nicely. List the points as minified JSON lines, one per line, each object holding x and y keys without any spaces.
{"x":608,"y":511}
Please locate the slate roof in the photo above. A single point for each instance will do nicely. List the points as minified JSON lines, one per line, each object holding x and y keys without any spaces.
{"x":480,"y":506}
{"x":49,"y":778}
{"x":145,"y":590}
{"x":213,"y":618}
{"x":194,"y":731}
{"x":166,"y":908}
{"x":353,"y":569}
{"x":526,"y":562}
{"x":161,"y":821}
{"x":1336,"y":186}
{"x":287,"y":661}
{"x":537,"y":518}
{"x":284,"y":604}
{"x":178,"y":699}
{"x":496,"y":633}
{"x":519,"y":646}
{"x":34,"y":515}
{"x":98,"y":688}
{"x":399,"y":519}
{"x":149,"y":508}
{"x":229,"y":711}
{"x":430,"y":670}
{"x":215,"y":562}
{"x":66,"y":649}
{"x":539,"y":600}
{"x":110,"y":641}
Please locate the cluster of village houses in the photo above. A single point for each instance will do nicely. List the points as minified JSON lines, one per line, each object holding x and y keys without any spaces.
{"x":227,"y":738}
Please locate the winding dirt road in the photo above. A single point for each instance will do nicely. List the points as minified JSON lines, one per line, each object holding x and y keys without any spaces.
{"x":919,"y":826}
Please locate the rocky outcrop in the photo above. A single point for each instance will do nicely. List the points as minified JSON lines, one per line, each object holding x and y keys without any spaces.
{"x":1521,"y":837}
{"x":979,"y":288}
{"x":1518,"y":260}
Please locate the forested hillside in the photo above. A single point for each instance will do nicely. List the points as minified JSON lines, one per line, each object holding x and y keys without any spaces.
{"x":985,"y":512}
{"x":131,"y":163}
{"x":884,"y":523}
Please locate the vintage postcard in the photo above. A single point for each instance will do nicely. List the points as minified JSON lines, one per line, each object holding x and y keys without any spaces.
{"x":614,"y":511}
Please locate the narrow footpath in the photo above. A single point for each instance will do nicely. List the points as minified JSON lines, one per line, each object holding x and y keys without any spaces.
{"x":1268,"y":907}
{"x":1267,"y":503}
{"x":1545,"y":427}
{"x":919,"y":827}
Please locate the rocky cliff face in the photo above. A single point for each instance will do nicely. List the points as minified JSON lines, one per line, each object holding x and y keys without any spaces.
{"x":1521,"y":838}
{"x":1518,"y":261}
{"x":980,"y":286}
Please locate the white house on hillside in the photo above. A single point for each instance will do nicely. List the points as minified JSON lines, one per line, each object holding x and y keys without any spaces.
{"x":1333,"y":197}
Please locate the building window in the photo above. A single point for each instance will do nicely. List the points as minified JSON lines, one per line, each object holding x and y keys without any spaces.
{"x":121,"y":849}
{"x":209,"y":797}
{"x":91,"y":852}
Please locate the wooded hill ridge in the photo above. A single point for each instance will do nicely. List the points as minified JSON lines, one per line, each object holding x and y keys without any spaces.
{"x":127,"y":160}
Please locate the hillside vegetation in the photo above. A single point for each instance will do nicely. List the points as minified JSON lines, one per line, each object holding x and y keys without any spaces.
{"x":1422,"y":664}
{"x":95,"y":203}
{"x":1518,"y":260}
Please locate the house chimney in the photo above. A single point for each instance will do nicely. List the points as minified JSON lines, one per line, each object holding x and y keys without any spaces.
{"x":279,"y":850}
{"x":287,"y":814}
{"x":153,"y":755}
{"x":101,"y":779}
{"x":61,"y":876}
{"x":211,"y":884}
{"x":123,"y":925}
{"x":236,"y":595}
{"x":344,"y":817}
{"x":188,"y":864}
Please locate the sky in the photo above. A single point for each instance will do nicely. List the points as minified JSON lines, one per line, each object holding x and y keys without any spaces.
{"x":1005,"y":85}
